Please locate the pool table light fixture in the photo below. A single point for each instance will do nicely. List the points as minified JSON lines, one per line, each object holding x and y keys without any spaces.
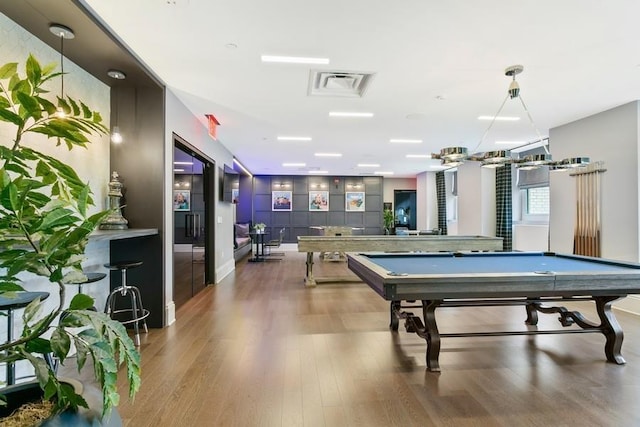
{"x":455,"y":156}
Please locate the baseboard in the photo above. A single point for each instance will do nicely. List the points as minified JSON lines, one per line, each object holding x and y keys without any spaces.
{"x":631,"y":304}
{"x":225,"y":269}
{"x":170,"y":313}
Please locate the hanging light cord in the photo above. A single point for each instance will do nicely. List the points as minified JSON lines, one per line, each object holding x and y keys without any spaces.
{"x":533,"y":125}
{"x":495,"y":116}
{"x":531,"y":122}
{"x":62,"y":64}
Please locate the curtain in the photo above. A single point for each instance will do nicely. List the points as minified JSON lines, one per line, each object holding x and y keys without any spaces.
{"x":586,"y":236}
{"x":504,"y":220}
{"x":441,"y":195}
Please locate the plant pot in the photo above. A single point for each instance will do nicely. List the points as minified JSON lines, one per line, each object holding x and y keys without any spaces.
{"x":17,"y":395}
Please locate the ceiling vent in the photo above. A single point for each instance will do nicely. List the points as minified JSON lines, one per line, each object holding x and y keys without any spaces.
{"x":339,"y":83}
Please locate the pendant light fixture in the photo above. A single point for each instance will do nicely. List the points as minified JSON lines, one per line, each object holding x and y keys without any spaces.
{"x":62,"y":32}
{"x":116,"y":136}
{"x":454,"y":156}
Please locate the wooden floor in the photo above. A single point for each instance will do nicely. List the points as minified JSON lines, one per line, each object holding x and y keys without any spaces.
{"x":259,"y":349}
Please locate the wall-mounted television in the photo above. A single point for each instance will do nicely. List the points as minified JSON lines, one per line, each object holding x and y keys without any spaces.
{"x":230,"y":180}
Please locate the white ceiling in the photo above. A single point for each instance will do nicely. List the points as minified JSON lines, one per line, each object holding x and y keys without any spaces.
{"x":442,"y":61}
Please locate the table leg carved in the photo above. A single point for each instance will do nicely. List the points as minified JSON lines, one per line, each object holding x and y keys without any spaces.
{"x":608,"y":325}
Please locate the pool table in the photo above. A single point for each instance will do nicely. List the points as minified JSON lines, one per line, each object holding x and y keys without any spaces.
{"x":364,"y":243}
{"x":531,"y":279}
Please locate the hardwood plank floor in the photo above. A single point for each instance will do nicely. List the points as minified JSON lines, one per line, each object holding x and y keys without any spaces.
{"x":260,"y":349}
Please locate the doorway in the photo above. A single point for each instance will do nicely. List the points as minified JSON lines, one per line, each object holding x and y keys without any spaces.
{"x":193,"y":203}
{"x":405,"y":213}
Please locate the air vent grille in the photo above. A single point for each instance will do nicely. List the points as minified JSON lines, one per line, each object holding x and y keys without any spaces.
{"x":339,"y":83}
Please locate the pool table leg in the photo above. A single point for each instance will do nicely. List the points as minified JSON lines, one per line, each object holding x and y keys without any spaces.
{"x":431,"y":334}
{"x":394,"y":321}
{"x":610,"y":328}
{"x":532,"y":313}
{"x":309,"y":281}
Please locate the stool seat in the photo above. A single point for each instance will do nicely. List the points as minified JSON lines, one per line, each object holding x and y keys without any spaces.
{"x":94,"y":277}
{"x":21,"y":299}
{"x":121,"y":265}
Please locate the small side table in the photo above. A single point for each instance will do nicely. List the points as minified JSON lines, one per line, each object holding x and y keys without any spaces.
{"x":21,"y":300}
{"x":258,"y":240}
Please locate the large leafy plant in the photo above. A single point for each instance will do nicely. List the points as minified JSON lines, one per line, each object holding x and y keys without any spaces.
{"x":44,"y":229}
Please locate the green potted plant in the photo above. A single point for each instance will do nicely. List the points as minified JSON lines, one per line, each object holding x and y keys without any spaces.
{"x":387,"y":219}
{"x":259,"y":227}
{"x":44,"y":229}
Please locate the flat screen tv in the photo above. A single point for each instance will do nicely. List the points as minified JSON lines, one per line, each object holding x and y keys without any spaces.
{"x":230,"y":185}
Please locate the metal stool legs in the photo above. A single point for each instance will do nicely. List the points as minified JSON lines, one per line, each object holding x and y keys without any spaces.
{"x":137,"y":312}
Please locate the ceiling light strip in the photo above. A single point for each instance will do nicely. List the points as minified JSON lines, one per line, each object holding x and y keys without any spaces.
{"x":349,"y":114}
{"x":294,"y":59}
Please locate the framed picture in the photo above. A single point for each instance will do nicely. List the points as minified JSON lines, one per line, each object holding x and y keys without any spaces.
{"x":318,"y":201}
{"x":181,"y":200}
{"x":354,"y":201}
{"x":235,"y":194}
{"x":281,"y":200}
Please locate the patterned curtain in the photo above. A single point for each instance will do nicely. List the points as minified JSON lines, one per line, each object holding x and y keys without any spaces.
{"x":504,"y":211}
{"x":441,"y":195}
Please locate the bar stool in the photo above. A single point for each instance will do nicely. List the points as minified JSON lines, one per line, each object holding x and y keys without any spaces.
{"x":137,"y":312}
{"x":91,"y":278}
{"x":21,"y":300}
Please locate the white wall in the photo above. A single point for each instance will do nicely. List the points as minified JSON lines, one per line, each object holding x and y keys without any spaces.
{"x":181,"y":121}
{"x":426,"y":201}
{"x":391,"y":184}
{"x":612,"y":137}
{"x":476,"y":200}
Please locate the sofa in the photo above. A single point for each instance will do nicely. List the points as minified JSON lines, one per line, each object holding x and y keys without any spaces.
{"x":241,"y":240}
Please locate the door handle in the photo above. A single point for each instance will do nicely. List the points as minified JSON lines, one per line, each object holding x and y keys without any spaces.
{"x":188,"y":221}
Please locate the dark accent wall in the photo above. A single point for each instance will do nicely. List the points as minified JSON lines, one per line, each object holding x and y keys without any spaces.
{"x":244,"y":208}
{"x":297,"y":221}
{"x":139,"y":160}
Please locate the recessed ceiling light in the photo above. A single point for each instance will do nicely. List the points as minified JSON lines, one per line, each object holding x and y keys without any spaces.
{"x":286,"y":165}
{"x":418,"y":156}
{"x":368,"y":165}
{"x":116,"y":74}
{"x":383,"y":173}
{"x":294,"y":59}
{"x":405,"y":141}
{"x":499,"y":118}
{"x":349,"y":114}
{"x":182,"y":163}
{"x":314,"y":172}
{"x":294,"y":138}
{"x":328,"y":155}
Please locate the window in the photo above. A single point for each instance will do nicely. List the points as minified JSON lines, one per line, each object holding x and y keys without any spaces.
{"x":534,"y":204}
{"x":537,"y":201}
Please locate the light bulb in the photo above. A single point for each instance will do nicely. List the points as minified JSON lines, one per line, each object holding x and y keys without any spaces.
{"x":116,"y":136}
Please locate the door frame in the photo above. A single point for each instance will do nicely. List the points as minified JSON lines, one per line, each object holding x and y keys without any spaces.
{"x":209,"y":182}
